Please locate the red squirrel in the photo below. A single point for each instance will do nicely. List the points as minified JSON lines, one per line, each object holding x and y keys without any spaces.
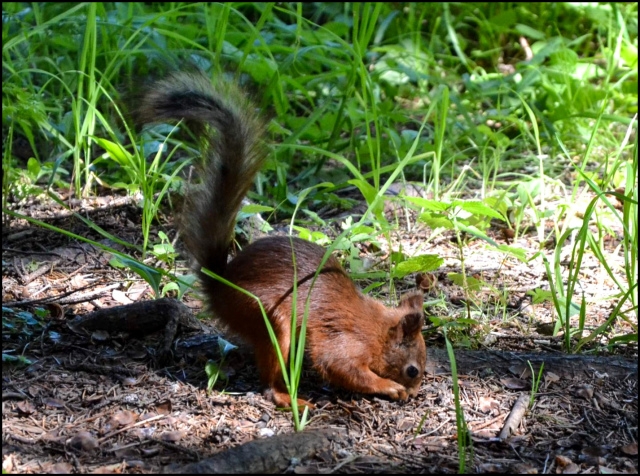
{"x":353,"y":341}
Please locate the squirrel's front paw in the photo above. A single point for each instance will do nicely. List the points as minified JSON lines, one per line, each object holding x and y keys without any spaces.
{"x":395,"y":391}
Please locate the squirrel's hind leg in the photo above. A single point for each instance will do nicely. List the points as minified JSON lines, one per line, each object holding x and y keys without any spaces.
{"x":271,"y":372}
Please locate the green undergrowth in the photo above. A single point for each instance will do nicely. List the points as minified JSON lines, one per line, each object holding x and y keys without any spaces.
{"x":506,"y":115}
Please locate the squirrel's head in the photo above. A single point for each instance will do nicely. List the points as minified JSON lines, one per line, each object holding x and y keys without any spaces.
{"x":405,"y":354}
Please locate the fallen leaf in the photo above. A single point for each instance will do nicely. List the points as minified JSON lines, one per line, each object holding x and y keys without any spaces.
{"x":26,"y":407}
{"x":426,"y":281}
{"x":129,"y":381}
{"x":585,"y":391}
{"x":100,"y":336}
{"x":62,"y":467}
{"x":486,"y":404}
{"x":172,"y":436}
{"x":120,"y":297}
{"x":83,"y":441}
{"x":120,"y":419}
{"x":563,"y":461}
{"x":521,"y":370}
{"x":53,"y":402}
{"x":164,"y":408}
{"x":523,"y":468}
{"x":595,"y":451}
{"x":515,"y":383}
{"x":550,"y":377}
{"x":631,"y":449}
{"x":607,"y":470}
{"x":571,"y":468}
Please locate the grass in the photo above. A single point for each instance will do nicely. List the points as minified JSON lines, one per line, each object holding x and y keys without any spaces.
{"x":521,"y":109}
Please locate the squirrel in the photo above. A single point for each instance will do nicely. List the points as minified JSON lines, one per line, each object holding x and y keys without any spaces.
{"x":353,"y":341}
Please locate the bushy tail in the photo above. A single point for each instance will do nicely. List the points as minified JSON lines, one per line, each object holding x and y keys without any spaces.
{"x":231,"y":136}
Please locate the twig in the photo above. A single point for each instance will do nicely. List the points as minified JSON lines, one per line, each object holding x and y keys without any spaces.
{"x":515,"y":417}
{"x":128,"y":427}
{"x":60,"y":298}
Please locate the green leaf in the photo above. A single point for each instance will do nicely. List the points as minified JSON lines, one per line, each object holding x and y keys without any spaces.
{"x":20,"y":359}
{"x":366,"y":189}
{"x":478,"y":208}
{"x":151,"y":275}
{"x":254,"y":208}
{"x":421,"y":263}
{"x":433,"y":205}
{"x":539,"y":296}
{"x":33,"y":166}
{"x":472,"y":230}
{"x":436,"y":221}
{"x":225,"y":346}
{"x":115,"y":151}
{"x":169,"y":287}
{"x":519,"y":253}
{"x":627,"y":339}
{"x":529,"y":32}
{"x":473,"y":284}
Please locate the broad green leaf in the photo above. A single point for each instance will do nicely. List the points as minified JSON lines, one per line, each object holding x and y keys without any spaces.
{"x":115,"y":151}
{"x":421,"y":263}
{"x":366,"y":189}
{"x":529,"y":32}
{"x":433,"y":205}
{"x":254,"y":208}
{"x":472,"y":230}
{"x":473,"y":284}
{"x":478,"y":208}
{"x":519,"y":253}
{"x":151,"y":275}
{"x":33,"y":166}
{"x":436,"y":221}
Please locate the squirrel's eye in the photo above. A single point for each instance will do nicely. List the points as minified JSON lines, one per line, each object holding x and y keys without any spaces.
{"x":412,"y":371}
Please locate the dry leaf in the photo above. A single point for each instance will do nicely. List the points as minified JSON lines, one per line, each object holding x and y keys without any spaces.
{"x":563,"y":461}
{"x":523,"y":468}
{"x":550,"y":377}
{"x":129,"y":381}
{"x":571,"y":468}
{"x":83,"y":441}
{"x":100,"y":336}
{"x":426,"y":281}
{"x":172,"y":436}
{"x":164,"y":408}
{"x":607,"y":470}
{"x":120,"y":297}
{"x":515,"y":383}
{"x":521,"y":370}
{"x":56,"y":311}
{"x":26,"y":407}
{"x":53,"y":402}
{"x":631,"y":449}
{"x":585,"y":391}
{"x":62,"y":467}
{"x":120,"y":419}
{"x":486,"y":404}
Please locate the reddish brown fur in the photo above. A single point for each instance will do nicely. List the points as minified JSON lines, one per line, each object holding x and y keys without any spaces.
{"x":354,"y":341}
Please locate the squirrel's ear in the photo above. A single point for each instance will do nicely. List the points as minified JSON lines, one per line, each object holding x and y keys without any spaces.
{"x":412,"y":323}
{"x":412,"y":301}
{"x":413,"y":318}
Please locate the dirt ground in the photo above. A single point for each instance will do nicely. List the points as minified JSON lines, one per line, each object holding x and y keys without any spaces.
{"x":99,"y":402}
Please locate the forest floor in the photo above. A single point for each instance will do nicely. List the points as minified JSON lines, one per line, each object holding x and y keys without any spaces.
{"x":96,"y":402}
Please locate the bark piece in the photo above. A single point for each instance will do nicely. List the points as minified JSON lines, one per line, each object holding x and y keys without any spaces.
{"x":268,"y":455}
{"x":140,"y":319}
